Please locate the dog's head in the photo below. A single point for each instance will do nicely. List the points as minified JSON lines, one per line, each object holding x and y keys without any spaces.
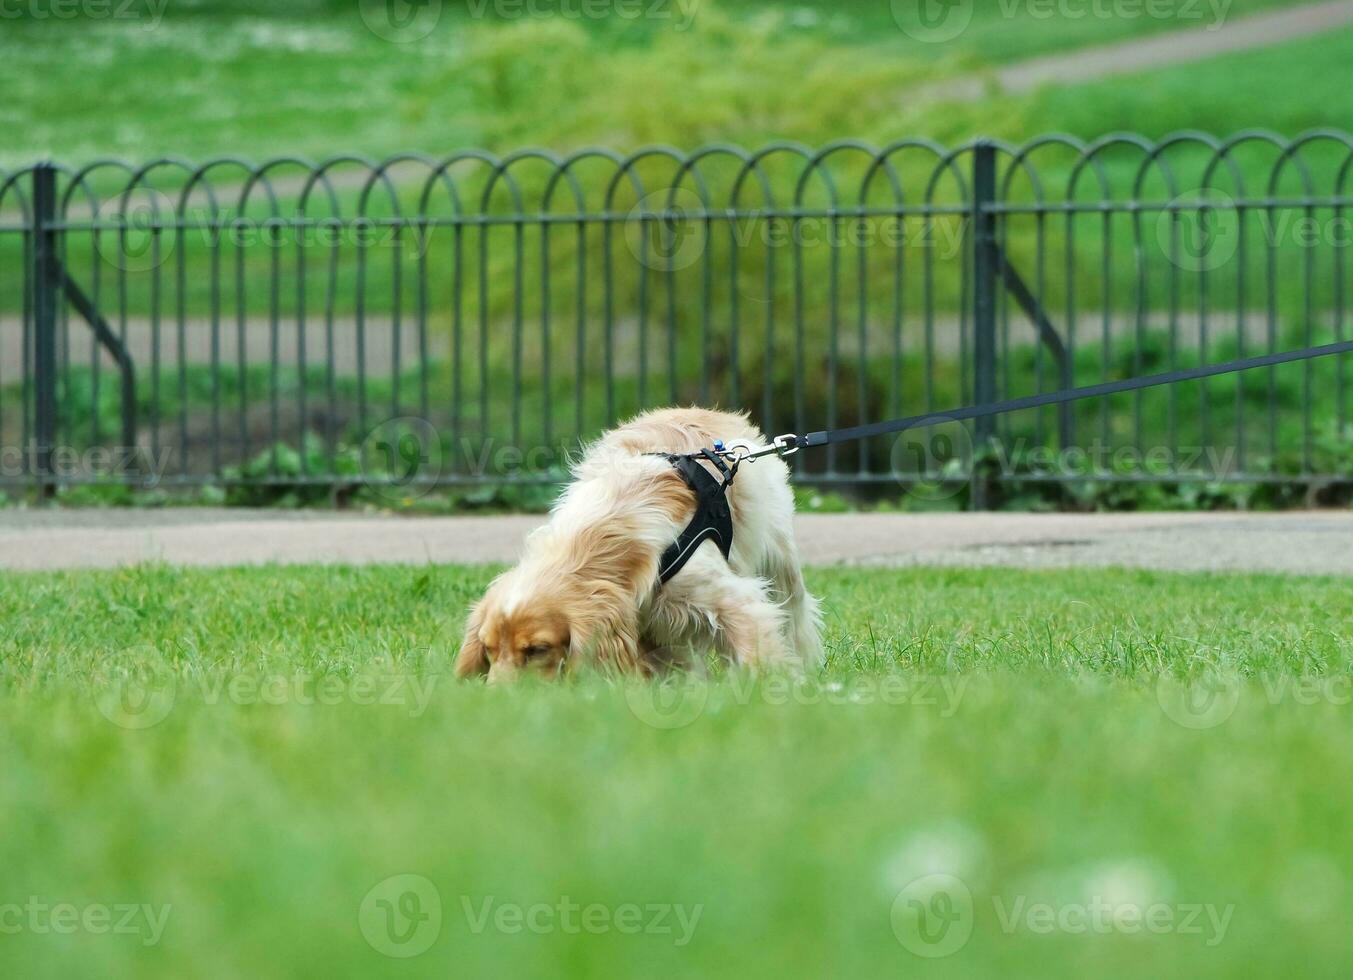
{"x":513,"y":631}
{"x":525,"y":625}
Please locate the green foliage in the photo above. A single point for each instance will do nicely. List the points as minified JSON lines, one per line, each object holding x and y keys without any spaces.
{"x":100,"y":495}
{"x":550,"y":82}
{"x":740,"y":73}
{"x":1168,"y":419}
{"x":520,"y":496}
{"x":810,"y":500}
{"x":227,"y":78}
{"x":279,"y":475}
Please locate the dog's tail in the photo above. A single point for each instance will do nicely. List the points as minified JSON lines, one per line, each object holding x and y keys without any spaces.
{"x":804,"y":618}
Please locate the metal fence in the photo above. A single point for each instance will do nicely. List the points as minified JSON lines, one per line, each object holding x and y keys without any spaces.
{"x":419,"y":322}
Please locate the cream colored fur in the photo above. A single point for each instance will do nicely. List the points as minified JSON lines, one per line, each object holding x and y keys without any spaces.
{"x":586,"y":589}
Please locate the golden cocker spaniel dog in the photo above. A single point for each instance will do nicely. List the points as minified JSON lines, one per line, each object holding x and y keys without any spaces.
{"x":587,"y":592}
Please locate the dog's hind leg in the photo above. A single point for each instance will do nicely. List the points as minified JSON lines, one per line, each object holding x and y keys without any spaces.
{"x":751,"y":627}
{"x":803,"y":618}
{"x":734,"y":611}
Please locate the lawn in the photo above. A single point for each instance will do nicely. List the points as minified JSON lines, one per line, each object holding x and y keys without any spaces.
{"x":1022,"y":732}
{"x":259,"y":80}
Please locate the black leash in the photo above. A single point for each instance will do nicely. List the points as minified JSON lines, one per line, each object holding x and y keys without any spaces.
{"x":713,"y":521}
{"x":790,"y":443}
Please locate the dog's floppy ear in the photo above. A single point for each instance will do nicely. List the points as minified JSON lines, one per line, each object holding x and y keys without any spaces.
{"x":607,"y":632}
{"x":472,"y":659}
{"x":614,"y":647}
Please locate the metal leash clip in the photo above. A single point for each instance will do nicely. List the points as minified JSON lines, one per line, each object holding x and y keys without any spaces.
{"x":740,"y":450}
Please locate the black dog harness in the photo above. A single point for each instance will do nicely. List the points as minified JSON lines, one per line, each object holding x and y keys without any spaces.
{"x":712,"y":519}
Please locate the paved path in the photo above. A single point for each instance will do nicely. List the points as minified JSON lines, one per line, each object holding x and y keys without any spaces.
{"x":1148,"y":53}
{"x":945,"y":338}
{"x":1312,"y":542}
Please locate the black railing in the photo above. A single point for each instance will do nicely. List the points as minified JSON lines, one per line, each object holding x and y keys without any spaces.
{"x":468,"y":320}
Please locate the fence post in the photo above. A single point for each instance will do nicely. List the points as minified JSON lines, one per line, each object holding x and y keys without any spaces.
{"x":46,"y":300}
{"x":986,"y":281}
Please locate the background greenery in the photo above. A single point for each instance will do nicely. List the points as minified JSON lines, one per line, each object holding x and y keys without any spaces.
{"x":311,"y":79}
{"x":265,"y":79}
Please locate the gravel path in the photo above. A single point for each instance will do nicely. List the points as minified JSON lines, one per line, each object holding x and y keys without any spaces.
{"x":1306,"y":542}
{"x":1179,"y":47}
{"x":1148,"y":53}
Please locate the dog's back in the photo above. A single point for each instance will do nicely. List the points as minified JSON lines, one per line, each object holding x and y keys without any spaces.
{"x":680,"y":430}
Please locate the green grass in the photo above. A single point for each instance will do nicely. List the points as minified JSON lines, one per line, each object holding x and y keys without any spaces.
{"x":311,"y":79}
{"x":1024,"y":747}
{"x":1007,"y":30}
{"x":1290,"y":87}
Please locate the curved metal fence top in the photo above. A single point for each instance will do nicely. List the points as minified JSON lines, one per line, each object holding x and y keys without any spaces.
{"x":1252,"y":167}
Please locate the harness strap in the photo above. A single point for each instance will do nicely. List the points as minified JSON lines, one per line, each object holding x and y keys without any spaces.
{"x":712,"y":520}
